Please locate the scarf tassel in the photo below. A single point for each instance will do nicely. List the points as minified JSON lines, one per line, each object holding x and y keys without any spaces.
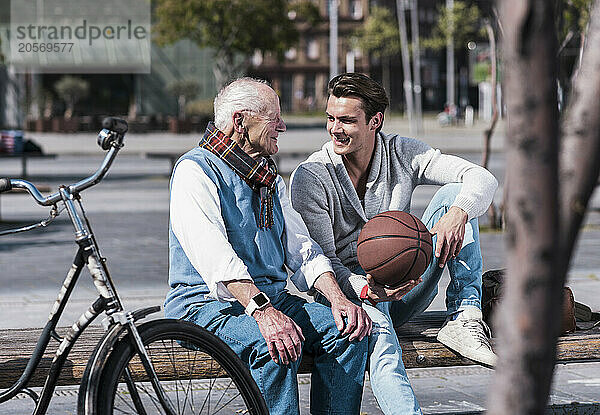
{"x":265,"y":220}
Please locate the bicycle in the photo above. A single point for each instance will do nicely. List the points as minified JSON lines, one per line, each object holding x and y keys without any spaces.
{"x":159,"y":366}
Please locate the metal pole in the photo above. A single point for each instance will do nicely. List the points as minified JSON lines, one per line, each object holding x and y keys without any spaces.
{"x":417,"y":89}
{"x":400,"y":9}
{"x":350,"y":61}
{"x":450,"y":97}
{"x":333,"y":38}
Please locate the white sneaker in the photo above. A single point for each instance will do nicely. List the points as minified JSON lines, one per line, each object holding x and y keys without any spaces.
{"x":469,"y":336}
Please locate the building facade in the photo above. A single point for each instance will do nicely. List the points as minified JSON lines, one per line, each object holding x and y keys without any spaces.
{"x":301,"y":79}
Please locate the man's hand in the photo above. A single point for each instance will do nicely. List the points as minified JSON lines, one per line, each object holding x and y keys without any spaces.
{"x":450,"y":230}
{"x":358,"y":324}
{"x":379,"y":293}
{"x":283,"y":336}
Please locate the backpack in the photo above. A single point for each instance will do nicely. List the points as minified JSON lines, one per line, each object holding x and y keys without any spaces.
{"x":572,"y":311}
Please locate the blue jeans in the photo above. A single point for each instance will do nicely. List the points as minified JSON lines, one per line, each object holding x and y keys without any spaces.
{"x":389,"y":380}
{"x":339,"y":365}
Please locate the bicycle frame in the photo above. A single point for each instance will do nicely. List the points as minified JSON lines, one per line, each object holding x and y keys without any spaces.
{"x":108,"y":301}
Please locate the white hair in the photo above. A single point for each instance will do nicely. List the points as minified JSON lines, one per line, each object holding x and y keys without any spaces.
{"x":243,"y":94}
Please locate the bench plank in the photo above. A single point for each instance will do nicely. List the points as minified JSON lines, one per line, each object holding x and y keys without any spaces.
{"x":417,"y":339}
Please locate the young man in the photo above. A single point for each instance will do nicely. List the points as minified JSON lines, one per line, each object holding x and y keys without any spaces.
{"x":232,"y":234}
{"x":362,"y":172}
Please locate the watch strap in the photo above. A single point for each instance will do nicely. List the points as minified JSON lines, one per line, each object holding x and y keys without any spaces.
{"x":253,"y":304}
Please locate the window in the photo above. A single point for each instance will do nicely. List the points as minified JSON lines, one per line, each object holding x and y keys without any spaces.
{"x":291,"y":54}
{"x":356,"y":9}
{"x":312,"y":48}
{"x":309,"y":92}
{"x":257,"y":58}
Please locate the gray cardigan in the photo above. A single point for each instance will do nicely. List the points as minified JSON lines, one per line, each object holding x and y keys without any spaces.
{"x":321,"y":191}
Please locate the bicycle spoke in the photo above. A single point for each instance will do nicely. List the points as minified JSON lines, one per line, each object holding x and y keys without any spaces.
{"x":187,"y":391}
{"x":226,"y":389}
{"x":125,"y":402}
{"x":153,"y":398}
{"x":209,"y":390}
{"x":122,"y":411}
{"x":196,"y":383}
{"x":172,"y":360}
{"x":167,"y":398}
{"x":228,"y":402}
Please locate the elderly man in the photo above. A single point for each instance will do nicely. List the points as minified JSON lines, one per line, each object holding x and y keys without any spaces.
{"x":232,"y":235}
{"x":362,"y":172}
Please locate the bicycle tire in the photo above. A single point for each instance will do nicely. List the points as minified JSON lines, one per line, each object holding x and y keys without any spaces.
{"x":180,"y":352}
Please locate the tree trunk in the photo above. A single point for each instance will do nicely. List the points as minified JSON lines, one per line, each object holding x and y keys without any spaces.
{"x":580,"y":146}
{"x":223,"y":68}
{"x":528,"y":323}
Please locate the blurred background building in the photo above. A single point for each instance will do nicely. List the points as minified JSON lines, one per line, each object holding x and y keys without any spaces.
{"x":300,"y":78}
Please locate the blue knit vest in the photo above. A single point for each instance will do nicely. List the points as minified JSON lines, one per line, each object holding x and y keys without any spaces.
{"x":261,"y":250}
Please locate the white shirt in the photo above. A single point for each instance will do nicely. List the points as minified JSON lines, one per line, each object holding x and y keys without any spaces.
{"x":196,"y":221}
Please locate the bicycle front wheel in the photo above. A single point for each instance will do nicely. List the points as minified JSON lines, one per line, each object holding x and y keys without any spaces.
{"x":199,"y":373}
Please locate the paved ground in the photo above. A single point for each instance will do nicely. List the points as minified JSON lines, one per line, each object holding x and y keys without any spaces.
{"x":129,"y":212}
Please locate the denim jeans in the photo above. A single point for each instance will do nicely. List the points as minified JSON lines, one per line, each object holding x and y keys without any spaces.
{"x":389,"y":380}
{"x":339,"y":365}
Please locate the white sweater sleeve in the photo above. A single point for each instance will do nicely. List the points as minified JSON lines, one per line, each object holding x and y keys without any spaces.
{"x":196,"y":221}
{"x":303,"y":256}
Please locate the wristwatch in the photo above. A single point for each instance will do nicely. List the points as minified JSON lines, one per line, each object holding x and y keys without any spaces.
{"x":258,"y":302}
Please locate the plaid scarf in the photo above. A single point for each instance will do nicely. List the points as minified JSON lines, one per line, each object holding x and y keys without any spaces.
{"x":259,"y":174}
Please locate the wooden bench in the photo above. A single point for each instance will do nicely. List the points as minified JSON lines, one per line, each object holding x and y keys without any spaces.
{"x":419,"y":349}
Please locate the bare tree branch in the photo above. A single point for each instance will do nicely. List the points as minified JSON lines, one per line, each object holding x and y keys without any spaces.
{"x":487,"y":147}
{"x":565,"y":42}
{"x":490,"y":131}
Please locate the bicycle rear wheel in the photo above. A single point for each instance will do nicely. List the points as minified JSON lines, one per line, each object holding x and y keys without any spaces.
{"x":199,"y":373}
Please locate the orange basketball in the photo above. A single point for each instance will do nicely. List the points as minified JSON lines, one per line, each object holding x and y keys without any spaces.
{"x":394,"y":247}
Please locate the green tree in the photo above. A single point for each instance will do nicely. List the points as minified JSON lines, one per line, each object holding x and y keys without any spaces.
{"x":572,"y":19}
{"x":461,"y":24}
{"x":71,"y":89}
{"x":185,"y":90}
{"x":379,"y":38}
{"x":235,"y":29}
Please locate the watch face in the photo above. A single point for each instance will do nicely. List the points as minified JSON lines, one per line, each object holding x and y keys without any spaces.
{"x":260,"y":299}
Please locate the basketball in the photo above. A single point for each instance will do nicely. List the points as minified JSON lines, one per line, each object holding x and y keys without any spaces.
{"x":394,"y":247}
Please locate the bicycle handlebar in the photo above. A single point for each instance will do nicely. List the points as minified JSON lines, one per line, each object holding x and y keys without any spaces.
{"x":111,"y":137}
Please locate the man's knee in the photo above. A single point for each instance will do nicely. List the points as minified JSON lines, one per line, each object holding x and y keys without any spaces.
{"x":446,"y":194}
